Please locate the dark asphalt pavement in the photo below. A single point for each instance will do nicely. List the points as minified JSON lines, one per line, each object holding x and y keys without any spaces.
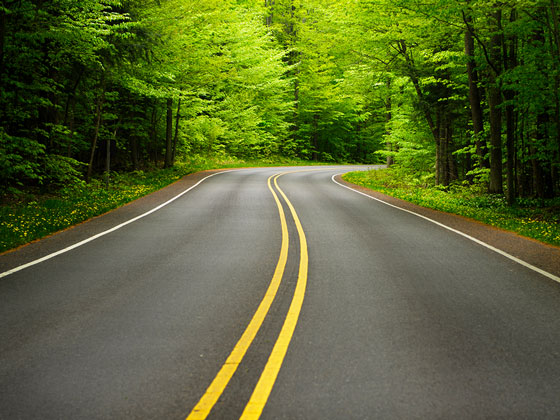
{"x":402,"y":319}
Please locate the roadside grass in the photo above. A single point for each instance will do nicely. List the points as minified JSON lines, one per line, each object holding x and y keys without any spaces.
{"x":537,"y":219}
{"x":29,"y":216}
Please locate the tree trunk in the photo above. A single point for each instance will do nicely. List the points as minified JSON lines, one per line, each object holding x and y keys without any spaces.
{"x":270,"y":16}
{"x":435,"y":128}
{"x":555,"y":25}
{"x":496,"y":177}
{"x":2,"y":38}
{"x":293,"y":58}
{"x":70,"y":111}
{"x":438,"y":162}
{"x":437,"y":139}
{"x":556,"y":173}
{"x":108,"y":160}
{"x":556,"y":40}
{"x":388,"y":116}
{"x":509,"y":95}
{"x":523,"y":182}
{"x":542,"y":170}
{"x":475,"y":96}
{"x":153,"y":134}
{"x":444,"y":159}
{"x":510,"y":144}
{"x":134,"y":152}
{"x":98,"y":117}
{"x":71,"y":98}
{"x":71,"y":128}
{"x":416,"y":82}
{"x":494,"y":102}
{"x":542,"y":166}
{"x":451,"y":167}
{"x":315,"y":138}
{"x":538,"y":175}
{"x":176,"y":136}
{"x":169,"y":135}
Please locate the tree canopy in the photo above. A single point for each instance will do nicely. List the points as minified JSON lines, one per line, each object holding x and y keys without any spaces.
{"x":449,"y":91}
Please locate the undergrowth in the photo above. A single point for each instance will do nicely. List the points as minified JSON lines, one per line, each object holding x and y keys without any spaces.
{"x":537,"y":219}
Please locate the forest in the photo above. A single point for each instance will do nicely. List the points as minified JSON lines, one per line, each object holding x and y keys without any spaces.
{"x":448,"y":91}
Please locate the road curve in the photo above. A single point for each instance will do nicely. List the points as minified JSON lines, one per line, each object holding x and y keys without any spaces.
{"x":400,"y":318}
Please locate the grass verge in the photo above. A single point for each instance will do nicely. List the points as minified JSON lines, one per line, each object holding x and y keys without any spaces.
{"x":29,"y":217}
{"x":537,"y":219}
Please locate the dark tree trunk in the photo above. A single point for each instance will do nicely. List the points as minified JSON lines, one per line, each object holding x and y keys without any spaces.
{"x":556,"y":95}
{"x":444,"y":159}
{"x":134,"y":152}
{"x":509,"y":95}
{"x":556,"y":52}
{"x":451,"y":167}
{"x":388,"y":116}
{"x":510,"y":144}
{"x":538,"y":175}
{"x":437,"y":139}
{"x":542,"y":169}
{"x":555,"y":26}
{"x":523,"y":180}
{"x":176,"y":136}
{"x":435,"y":128}
{"x":403,"y":50}
{"x":71,"y":127}
{"x":98,"y":118}
{"x":542,"y":165}
{"x":270,"y":16}
{"x":475,"y":96}
{"x":153,"y":134}
{"x":108,"y":161}
{"x":315,"y":138}
{"x":70,"y":111}
{"x":293,"y":58}
{"x":494,"y":102}
{"x":2,"y":37}
{"x":169,"y":135}
{"x":496,"y":177}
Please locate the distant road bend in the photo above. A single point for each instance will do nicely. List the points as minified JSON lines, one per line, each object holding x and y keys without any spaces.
{"x":277,"y":293}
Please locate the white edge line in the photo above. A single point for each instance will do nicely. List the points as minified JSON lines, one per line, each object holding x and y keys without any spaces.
{"x":484,"y":244}
{"x":92,"y":238}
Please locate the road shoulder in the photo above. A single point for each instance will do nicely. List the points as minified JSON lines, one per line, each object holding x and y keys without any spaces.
{"x":541,"y":255}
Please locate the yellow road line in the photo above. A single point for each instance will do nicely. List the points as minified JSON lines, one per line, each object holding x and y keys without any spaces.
{"x":255,"y":406}
{"x":216,"y":388}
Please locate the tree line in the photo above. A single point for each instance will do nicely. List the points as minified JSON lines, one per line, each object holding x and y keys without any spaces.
{"x":92,"y":84}
{"x":448,"y":91}
{"x":484,"y":78}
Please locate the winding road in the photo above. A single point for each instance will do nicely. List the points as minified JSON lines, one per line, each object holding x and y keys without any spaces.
{"x":276,"y":293}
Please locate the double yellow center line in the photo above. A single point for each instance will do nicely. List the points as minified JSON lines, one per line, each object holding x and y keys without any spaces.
{"x":262,"y":390}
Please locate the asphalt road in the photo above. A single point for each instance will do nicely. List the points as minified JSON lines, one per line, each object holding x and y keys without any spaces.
{"x":397,"y":318}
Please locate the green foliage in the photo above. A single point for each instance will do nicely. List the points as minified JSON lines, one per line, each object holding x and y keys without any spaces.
{"x":77,"y":75}
{"x":19,"y":160}
{"x":60,"y":171}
